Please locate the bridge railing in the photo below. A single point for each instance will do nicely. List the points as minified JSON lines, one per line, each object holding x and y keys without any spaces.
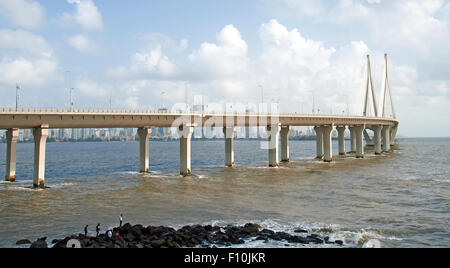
{"x":168,"y":112}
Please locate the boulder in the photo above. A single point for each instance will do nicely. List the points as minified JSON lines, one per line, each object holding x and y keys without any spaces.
{"x":126,"y":227}
{"x":251,"y":228}
{"x":158,"y":243}
{"x":23,"y":242}
{"x":40,"y":243}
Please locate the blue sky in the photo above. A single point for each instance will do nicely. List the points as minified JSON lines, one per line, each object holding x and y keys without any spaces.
{"x":148,"y":53}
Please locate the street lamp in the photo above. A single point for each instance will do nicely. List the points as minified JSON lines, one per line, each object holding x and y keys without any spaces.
{"x":17,"y":96}
{"x":70,"y":89}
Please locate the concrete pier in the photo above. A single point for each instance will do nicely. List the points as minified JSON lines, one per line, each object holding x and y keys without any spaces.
{"x":285,"y":154}
{"x":144,"y":136}
{"x":319,"y":142}
{"x":11,"y":146}
{"x":274,"y":134}
{"x":377,"y":139}
{"x":352,"y":139}
{"x":185,"y":133}
{"x":359,"y":130}
{"x":327,"y":144}
{"x":40,"y":142}
{"x":393,"y":135}
{"x":341,"y":135}
{"x":229,"y":133}
{"x":386,"y":138}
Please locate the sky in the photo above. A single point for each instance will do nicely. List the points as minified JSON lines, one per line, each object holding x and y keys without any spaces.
{"x":148,"y":54}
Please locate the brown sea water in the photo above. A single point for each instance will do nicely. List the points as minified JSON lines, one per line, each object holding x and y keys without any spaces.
{"x":401,"y":199}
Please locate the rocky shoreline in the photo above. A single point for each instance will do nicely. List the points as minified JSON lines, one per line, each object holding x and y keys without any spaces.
{"x":138,"y":236}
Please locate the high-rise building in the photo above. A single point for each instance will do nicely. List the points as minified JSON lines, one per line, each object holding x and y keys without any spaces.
{"x":74,"y":135}
{"x":83,"y":134}
{"x":161,"y":131}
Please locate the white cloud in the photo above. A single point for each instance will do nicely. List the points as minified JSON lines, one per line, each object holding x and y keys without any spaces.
{"x":289,"y":48}
{"x":32,"y":72}
{"x":410,"y":24}
{"x":86,"y":14}
{"x":227,"y":58}
{"x":145,"y":64}
{"x":26,"y":58}
{"x":25,"y":42}
{"x":24,"y":13}
{"x":81,"y":43}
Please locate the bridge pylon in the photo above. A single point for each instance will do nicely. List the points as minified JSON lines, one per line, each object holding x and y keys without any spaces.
{"x":370,"y":90}
{"x":387,"y":85}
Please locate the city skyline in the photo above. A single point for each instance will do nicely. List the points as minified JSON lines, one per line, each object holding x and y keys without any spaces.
{"x":293,"y":52}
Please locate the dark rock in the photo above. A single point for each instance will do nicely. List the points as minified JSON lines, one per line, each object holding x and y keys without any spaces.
{"x":40,"y":243}
{"x":282,"y":236}
{"x":158,"y":231}
{"x":23,"y":242}
{"x":298,"y":239}
{"x":129,"y":237}
{"x":251,"y":228}
{"x":138,"y":236}
{"x":339,"y":242}
{"x":267,"y":232}
{"x":62,"y":243}
{"x":126,"y":227}
{"x":158,"y":243}
{"x":301,"y":231}
{"x":314,"y":239}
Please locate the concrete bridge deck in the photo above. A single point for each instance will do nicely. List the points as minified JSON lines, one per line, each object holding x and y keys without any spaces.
{"x":278,"y":127}
{"x":61,"y":118}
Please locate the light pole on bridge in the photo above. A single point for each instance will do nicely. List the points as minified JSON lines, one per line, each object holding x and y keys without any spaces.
{"x":17,"y":96}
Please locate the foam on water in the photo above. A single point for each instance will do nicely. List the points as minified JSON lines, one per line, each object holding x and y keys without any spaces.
{"x":351,"y":238}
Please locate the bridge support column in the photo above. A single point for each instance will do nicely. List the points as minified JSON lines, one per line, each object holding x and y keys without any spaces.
{"x":377,"y":139}
{"x":229,"y":133}
{"x":393,"y":135}
{"x":352,"y":139}
{"x":285,"y":154}
{"x":319,"y":142}
{"x":144,"y":135}
{"x":185,"y":133}
{"x":386,"y":138}
{"x":359,"y":130}
{"x":274,"y":134}
{"x":11,"y":145}
{"x":40,"y":142}
{"x":327,"y":144}
{"x":341,"y":135}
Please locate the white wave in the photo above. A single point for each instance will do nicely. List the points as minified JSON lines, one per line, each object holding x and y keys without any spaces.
{"x":16,"y":182}
{"x":373,"y":243}
{"x":352,"y":238}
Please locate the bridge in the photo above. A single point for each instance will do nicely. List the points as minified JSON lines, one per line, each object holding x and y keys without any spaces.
{"x":277,"y":125}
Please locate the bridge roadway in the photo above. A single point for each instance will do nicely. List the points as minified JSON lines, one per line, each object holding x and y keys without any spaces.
{"x":40,"y":120}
